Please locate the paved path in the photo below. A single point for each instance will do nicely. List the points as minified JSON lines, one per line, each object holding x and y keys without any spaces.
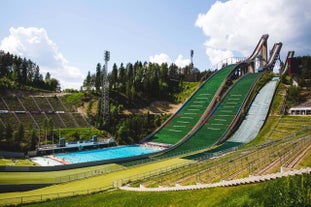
{"x":224,"y":183}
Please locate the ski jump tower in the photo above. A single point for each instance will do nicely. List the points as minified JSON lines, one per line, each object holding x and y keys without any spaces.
{"x":105,"y":91}
{"x":260,"y":53}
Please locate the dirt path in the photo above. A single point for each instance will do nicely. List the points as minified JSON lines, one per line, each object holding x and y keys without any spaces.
{"x":156,"y":107}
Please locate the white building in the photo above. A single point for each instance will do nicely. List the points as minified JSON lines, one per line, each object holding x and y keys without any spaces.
{"x":302,"y":109}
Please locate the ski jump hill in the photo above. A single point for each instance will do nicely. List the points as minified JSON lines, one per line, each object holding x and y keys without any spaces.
{"x":211,"y":113}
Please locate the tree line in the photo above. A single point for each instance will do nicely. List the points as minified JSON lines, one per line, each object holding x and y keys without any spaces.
{"x":300,"y":73}
{"x":135,"y":86}
{"x":17,"y":72}
{"x":18,"y":139}
{"x":142,"y":80}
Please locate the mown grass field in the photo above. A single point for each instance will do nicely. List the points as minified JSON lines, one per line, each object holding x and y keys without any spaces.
{"x":49,"y":177}
{"x":84,"y":184}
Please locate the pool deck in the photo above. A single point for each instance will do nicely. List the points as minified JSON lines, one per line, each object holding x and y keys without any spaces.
{"x":52,"y":157}
{"x":45,"y":161}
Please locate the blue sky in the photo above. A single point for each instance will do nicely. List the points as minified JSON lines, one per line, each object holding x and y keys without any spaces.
{"x":68,"y":37}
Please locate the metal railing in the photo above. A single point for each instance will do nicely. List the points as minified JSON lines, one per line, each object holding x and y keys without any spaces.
{"x":251,"y":164}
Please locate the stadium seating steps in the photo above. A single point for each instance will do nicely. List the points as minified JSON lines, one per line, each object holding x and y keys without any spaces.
{"x":33,"y":110}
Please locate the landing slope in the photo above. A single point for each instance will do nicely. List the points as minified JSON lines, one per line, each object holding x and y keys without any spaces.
{"x":222,"y":117}
{"x":192,"y":110}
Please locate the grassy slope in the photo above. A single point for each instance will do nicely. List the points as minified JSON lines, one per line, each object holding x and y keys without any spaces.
{"x":291,"y":191}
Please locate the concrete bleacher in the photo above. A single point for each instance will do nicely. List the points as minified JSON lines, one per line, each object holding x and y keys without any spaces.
{"x":27,"y":101}
{"x":222,"y":117}
{"x":31,"y":111}
{"x":9,"y":118}
{"x":189,"y":115}
{"x":80,"y":120}
{"x":54,"y":102}
{"x":12,"y":104}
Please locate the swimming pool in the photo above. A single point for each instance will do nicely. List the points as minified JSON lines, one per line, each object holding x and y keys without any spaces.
{"x":105,"y":153}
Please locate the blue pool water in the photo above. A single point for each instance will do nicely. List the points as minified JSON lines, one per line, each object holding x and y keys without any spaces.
{"x":105,"y":153}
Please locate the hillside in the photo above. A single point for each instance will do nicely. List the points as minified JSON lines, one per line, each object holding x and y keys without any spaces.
{"x":29,"y":117}
{"x":272,"y":145}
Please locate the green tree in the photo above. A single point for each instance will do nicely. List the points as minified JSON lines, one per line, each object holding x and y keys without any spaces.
{"x":34,"y":139}
{"x":87,"y":82}
{"x":76,"y":136}
{"x":306,"y":67}
{"x":15,"y":74}
{"x":38,"y":78}
{"x":98,"y":77}
{"x":47,"y":76}
{"x":48,"y":126}
{"x":24,"y":72}
{"x":114,"y":76}
{"x":8,"y":132}
{"x":19,"y":135}
{"x":293,"y":95}
{"x":173,"y":71}
{"x":123,"y":134}
{"x":2,"y":132}
{"x":122,"y":78}
{"x":52,"y":84}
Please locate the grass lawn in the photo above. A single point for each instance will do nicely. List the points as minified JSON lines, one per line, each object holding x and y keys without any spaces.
{"x":16,"y":162}
{"x":277,"y":127}
{"x":48,"y":177}
{"x":93,"y":182}
{"x":306,"y":161}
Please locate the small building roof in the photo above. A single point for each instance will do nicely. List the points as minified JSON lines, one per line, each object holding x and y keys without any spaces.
{"x":306,"y":104}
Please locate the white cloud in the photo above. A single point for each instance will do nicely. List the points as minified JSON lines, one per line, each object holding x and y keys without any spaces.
{"x":161,"y":58}
{"x":34,"y":43}
{"x":217,"y":56}
{"x":235,"y":26}
{"x":181,"y":62}
{"x":164,"y":58}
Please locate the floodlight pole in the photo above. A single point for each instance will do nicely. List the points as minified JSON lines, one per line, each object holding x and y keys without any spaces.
{"x":191,"y":57}
{"x":105,"y":91}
